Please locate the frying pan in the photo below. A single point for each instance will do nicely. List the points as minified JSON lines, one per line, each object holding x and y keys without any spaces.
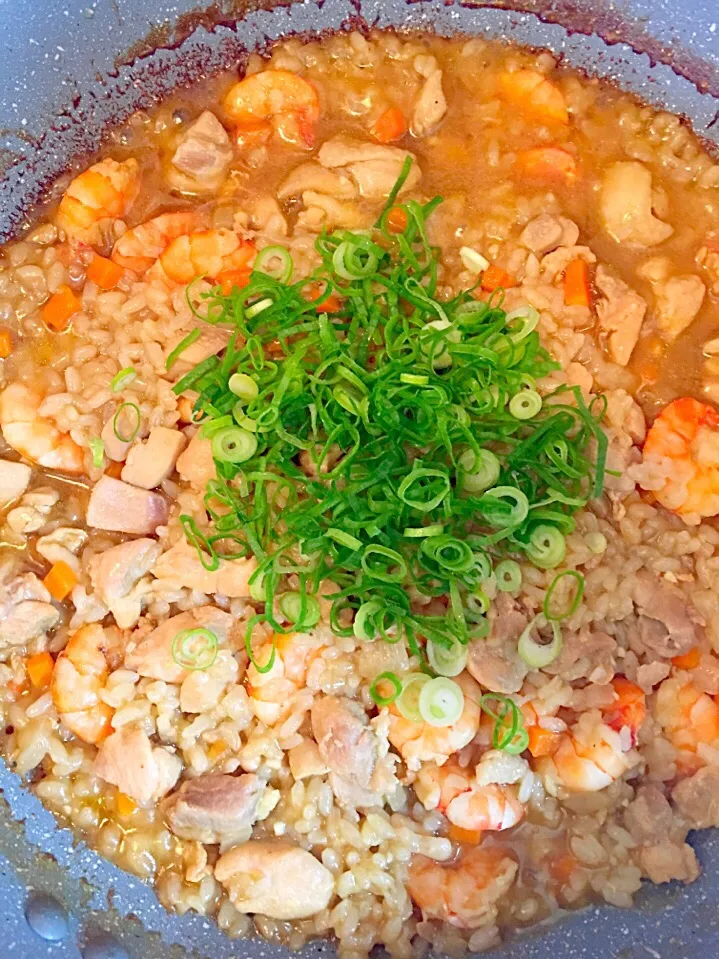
{"x":71,"y":68}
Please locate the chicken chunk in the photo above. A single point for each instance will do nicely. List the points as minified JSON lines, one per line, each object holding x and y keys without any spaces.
{"x":546,"y":232}
{"x":196,"y":465}
{"x":181,"y":567}
{"x":150,"y":463}
{"x":665,"y":861}
{"x":494,"y":661}
{"x":345,"y":741}
{"x":33,"y":511}
{"x":374,"y":167}
{"x":117,"y":506}
{"x":649,"y":815}
{"x":116,"y":449}
{"x":25,"y":611}
{"x":305,"y":760}
{"x":313,"y":176}
{"x":697,"y":798}
{"x":275,"y":879}
{"x":677,"y":299}
{"x":128,"y":760}
{"x":430,"y":107}
{"x":202,"y":157}
{"x":215,"y":807}
{"x":211,"y":341}
{"x":117,"y":573}
{"x":153,"y":655}
{"x":621,"y":314}
{"x":14,"y":480}
{"x":665,"y":626}
{"x":625,"y":204}
{"x":62,"y":545}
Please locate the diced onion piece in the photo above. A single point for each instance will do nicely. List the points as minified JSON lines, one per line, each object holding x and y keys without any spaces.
{"x":447,"y":662}
{"x":407,"y":702}
{"x":441,"y":702}
{"x":472,"y":260}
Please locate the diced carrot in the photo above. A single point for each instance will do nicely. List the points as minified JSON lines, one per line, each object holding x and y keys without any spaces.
{"x":562,"y":867}
{"x":532,"y":92}
{"x":274,"y":348}
{"x":547,"y":163}
{"x":630,"y":707}
{"x":60,"y":581}
{"x":5,"y":343}
{"x":330,"y":304}
{"x":125,"y":805}
{"x":114,"y":469}
{"x":217,"y":749}
{"x":229,"y":279}
{"x":495,"y":277}
{"x":576,"y":283}
{"x":471,"y":837}
{"x":688,"y":660}
{"x":389,"y":126}
{"x":60,"y":308}
{"x":396,"y":220}
{"x":542,"y":742}
{"x":39,"y":669}
{"x":104,"y":272}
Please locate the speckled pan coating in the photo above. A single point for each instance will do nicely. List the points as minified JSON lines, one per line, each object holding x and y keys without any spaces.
{"x":61,"y":84}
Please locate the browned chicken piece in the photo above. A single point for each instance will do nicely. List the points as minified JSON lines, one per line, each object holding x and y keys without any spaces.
{"x":621,"y":314}
{"x":14,"y":480}
{"x":211,"y":341}
{"x":153,"y":655}
{"x":275,"y":879}
{"x":665,"y":626}
{"x":667,"y":861}
{"x":677,"y":299}
{"x":122,"y":508}
{"x":151,"y":462}
{"x":315,"y":177}
{"x":349,"y":747}
{"x":494,"y":661}
{"x":374,"y":167}
{"x":128,"y":760}
{"x":215,"y":808}
{"x":430,"y":107}
{"x":546,"y":232}
{"x":180,"y":567}
{"x":625,"y":204}
{"x":697,"y":798}
{"x":202,"y":157}
{"x":26,"y":611}
{"x":115,"y":573}
{"x":196,"y":465}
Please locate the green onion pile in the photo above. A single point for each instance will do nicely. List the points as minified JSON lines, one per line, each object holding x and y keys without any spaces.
{"x":436,"y":464}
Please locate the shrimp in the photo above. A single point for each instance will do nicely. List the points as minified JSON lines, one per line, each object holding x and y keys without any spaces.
{"x":278,"y":98}
{"x":272,"y":693}
{"x":107,"y":190}
{"x":463,"y":893}
{"x":686,"y":436}
{"x":589,"y":758}
{"x":533,"y":92}
{"x":203,"y":253}
{"x":629,"y":710}
{"x":420,"y":742}
{"x":687,"y":716}
{"x":454,"y":791}
{"x":78,"y":679}
{"x":34,"y":436}
{"x":140,"y":247}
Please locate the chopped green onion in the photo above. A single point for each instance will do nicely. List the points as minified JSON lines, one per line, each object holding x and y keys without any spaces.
{"x":364,"y":627}
{"x":504,"y":506}
{"x":414,"y":379}
{"x":525,"y":405}
{"x":243,"y":386}
{"x":420,"y":532}
{"x":280,"y":269}
{"x":233,"y":445}
{"x":97,"y":448}
{"x":195,"y":648}
{"x":123,"y":379}
{"x":547,"y":546}
{"x":509,"y":733}
{"x":259,"y":307}
{"x":433,"y":344}
{"x":509,"y":576}
{"x":175,"y":354}
{"x":538,"y":655}
{"x":441,"y":702}
{"x":344,"y":539}
{"x":256,"y":586}
{"x":522,"y":322}
{"x":388,"y":677}
{"x":480,"y":470}
{"x":408,"y":700}
{"x":301,"y":610}
{"x":131,"y":411}
{"x":576,"y":594}
{"x":447,"y":661}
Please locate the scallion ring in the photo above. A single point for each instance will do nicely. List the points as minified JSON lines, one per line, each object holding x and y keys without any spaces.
{"x":259,"y":307}
{"x":408,"y":700}
{"x":509,"y":576}
{"x":291,"y":606}
{"x":123,"y":379}
{"x":538,"y":655}
{"x":479,"y":470}
{"x":525,"y":405}
{"x":232,"y":444}
{"x":387,"y":677}
{"x":547,"y":546}
{"x":131,"y":411}
{"x":195,"y":648}
{"x":560,"y":581}
{"x":276,"y":262}
{"x":441,"y":702}
{"x":447,"y":661}
{"x":521,"y":322}
{"x":97,"y":448}
{"x":504,"y":506}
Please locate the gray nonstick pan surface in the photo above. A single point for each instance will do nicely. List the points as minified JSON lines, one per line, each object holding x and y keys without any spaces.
{"x":69,"y":69}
